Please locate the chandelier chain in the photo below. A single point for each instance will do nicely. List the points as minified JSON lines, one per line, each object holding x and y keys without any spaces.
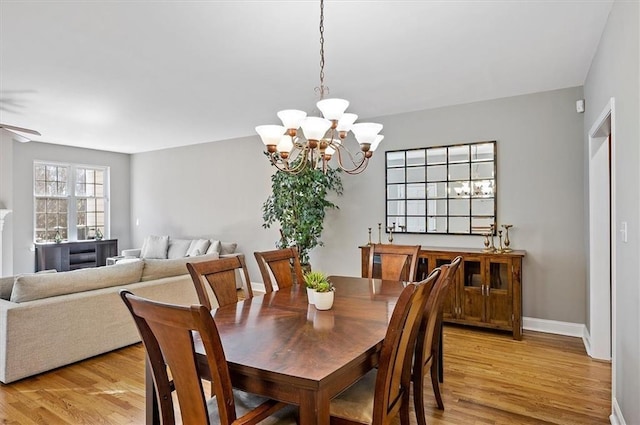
{"x":322,"y":87}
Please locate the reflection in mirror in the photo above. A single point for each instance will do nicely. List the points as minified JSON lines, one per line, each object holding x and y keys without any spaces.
{"x":395,"y":159}
{"x":443,"y":189}
{"x":436,"y":156}
{"x":415,"y":157}
{"x":459,"y":225}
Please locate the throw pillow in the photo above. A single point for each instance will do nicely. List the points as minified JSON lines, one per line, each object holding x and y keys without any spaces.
{"x":198,"y":247}
{"x":155,"y":247}
{"x":228,"y":248}
{"x":178,"y":248}
{"x":214,"y":246}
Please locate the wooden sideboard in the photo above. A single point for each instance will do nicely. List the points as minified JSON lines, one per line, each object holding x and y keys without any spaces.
{"x":66,"y":256}
{"x":486,"y":291}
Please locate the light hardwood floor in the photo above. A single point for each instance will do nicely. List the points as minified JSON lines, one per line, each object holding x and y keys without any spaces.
{"x":489,"y":379}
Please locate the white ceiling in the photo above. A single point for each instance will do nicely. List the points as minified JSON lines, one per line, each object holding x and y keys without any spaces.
{"x":144,"y":75}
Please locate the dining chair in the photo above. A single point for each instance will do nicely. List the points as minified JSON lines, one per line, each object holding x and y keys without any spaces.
{"x":383,"y":393}
{"x":220,"y":275}
{"x":167,"y":332}
{"x":284,"y":264}
{"x":427,"y":347}
{"x":394,"y":260}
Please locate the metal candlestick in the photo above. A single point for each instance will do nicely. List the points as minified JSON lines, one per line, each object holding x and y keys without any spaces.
{"x":486,"y":243}
{"x":507,"y":241}
{"x":390,"y":229}
{"x":492,"y":248}
{"x":499,"y":250}
{"x":379,"y":232}
{"x":369,"y":243}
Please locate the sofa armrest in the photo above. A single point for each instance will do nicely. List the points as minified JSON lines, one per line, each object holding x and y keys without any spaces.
{"x":131,"y":253}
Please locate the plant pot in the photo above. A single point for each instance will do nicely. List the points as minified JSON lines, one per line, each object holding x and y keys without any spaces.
{"x":311,"y":293}
{"x":323,"y":300}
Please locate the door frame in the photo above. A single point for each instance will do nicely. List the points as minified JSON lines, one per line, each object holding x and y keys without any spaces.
{"x":602,"y":343}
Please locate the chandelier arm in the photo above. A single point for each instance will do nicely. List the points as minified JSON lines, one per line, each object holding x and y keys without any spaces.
{"x":358,"y":164}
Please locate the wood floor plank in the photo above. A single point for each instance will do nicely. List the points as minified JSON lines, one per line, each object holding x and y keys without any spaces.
{"x":490,"y":379}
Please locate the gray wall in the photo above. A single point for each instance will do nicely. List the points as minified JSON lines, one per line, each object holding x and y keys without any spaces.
{"x":22,"y":198}
{"x":615,"y":73}
{"x":217,"y":190}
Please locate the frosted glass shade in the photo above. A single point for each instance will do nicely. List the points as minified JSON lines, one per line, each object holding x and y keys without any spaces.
{"x":346,"y":121}
{"x":376,"y":142}
{"x":329,"y":150}
{"x":332,"y":109}
{"x":285,"y":144}
{"x":314,"y":128}
{"x":270,"y":134}
{"x":366,"y":132}
{"x":291,"y":118}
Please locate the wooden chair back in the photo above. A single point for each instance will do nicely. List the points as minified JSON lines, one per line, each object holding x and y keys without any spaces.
{"x":428,"y":339}
{"x":397,"y":262}
{"x":394,"y":367}
{"x":167,"y":334}
{"x":284,"y":264}
{"x":220,"y":275}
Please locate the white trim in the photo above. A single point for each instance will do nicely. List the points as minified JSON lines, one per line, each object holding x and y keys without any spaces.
{"x":553,"y":327}
{"x":258,"y":287}
{"x":616,"y":417}
{"x":586,"y":340}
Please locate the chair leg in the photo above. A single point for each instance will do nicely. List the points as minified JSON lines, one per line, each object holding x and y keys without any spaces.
{"x":418,"y":397}
{"x":436,"y":384}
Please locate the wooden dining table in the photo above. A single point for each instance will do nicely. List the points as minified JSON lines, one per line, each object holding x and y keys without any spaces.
{"x":279,"y":346}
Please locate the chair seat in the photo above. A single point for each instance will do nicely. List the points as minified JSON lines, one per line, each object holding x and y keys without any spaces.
{"x":356,"y":402}
{"x":246,"y":402}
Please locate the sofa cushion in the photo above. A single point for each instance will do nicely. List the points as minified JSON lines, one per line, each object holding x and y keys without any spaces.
{"x":214,"y":246}
{"x":178,"y":248}
{"x":155,"y":247}
{"x":198,"y":247}
{"x":6,"y":283}
{"x":228,"y":247}
{"x":156,"y":269}
{"x":37,"y":286}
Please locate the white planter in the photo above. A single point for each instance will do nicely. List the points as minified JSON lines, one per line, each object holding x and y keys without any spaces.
{"x":324,"y":300}
{"x":311,"y":295}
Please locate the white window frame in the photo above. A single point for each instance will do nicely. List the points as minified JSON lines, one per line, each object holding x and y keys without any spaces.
{"x":72,"y":232}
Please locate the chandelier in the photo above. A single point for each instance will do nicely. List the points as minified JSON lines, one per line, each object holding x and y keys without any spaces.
{"x":324,"y":137}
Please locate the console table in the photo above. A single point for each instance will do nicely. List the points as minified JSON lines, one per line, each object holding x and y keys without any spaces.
{"x":66,"y":256}
{"x":486,"y":291}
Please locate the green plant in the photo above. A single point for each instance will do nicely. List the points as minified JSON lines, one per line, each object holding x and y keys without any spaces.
{"x":313,"y":279}
{"x":299,"y":203}
{"x":324,"y":286}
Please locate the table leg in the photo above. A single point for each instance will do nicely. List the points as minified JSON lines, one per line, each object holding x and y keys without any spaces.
{"x":151,"y":402}
{"x":314,"y":408}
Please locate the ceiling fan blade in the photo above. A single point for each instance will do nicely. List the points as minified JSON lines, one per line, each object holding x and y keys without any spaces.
{"x":20,"y":129}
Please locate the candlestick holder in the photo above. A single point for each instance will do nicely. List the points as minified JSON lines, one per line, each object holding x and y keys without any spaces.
{"x":500,"y":249}
{"x":507,"y":241}
{"x":486,"y":243}
{"x":379,"y":232}
{"x":390,"y":229}
{"x":369,"y":243}
{"x":492,"y":247}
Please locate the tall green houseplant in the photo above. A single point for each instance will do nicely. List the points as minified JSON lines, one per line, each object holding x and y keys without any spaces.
{"x":299,"y":203}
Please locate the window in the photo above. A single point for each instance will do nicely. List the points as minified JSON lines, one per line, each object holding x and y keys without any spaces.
{"x":71,"y":201}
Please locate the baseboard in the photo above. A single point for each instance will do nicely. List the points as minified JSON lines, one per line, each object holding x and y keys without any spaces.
{"x":554,"y":327}
{"x":616,"y":417}
{"x":586,"y":340}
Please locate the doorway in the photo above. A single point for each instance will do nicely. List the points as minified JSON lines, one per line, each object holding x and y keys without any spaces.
{"x":602,"y":238}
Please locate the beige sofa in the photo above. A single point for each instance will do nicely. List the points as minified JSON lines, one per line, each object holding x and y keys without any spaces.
{"x":54,"y":319}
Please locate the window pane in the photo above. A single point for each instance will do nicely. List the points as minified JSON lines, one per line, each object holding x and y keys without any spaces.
{"x":415,"y":174}
{"x":437,"y":156}
{"x":395,"y":191}
{"x":395,"y":175}
{"x":395,"y":159}
{"x":416,"y":190}
{"x":437,"y":173}
{"x":415,"y":157}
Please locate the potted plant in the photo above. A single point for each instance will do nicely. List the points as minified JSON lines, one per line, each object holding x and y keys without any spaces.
{"x":324,"y":295}
{"x":312,"y":280}
{"x":298,"y":202}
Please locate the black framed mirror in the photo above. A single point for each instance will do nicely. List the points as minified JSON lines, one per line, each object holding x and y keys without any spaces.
{"x":442,"y":189}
